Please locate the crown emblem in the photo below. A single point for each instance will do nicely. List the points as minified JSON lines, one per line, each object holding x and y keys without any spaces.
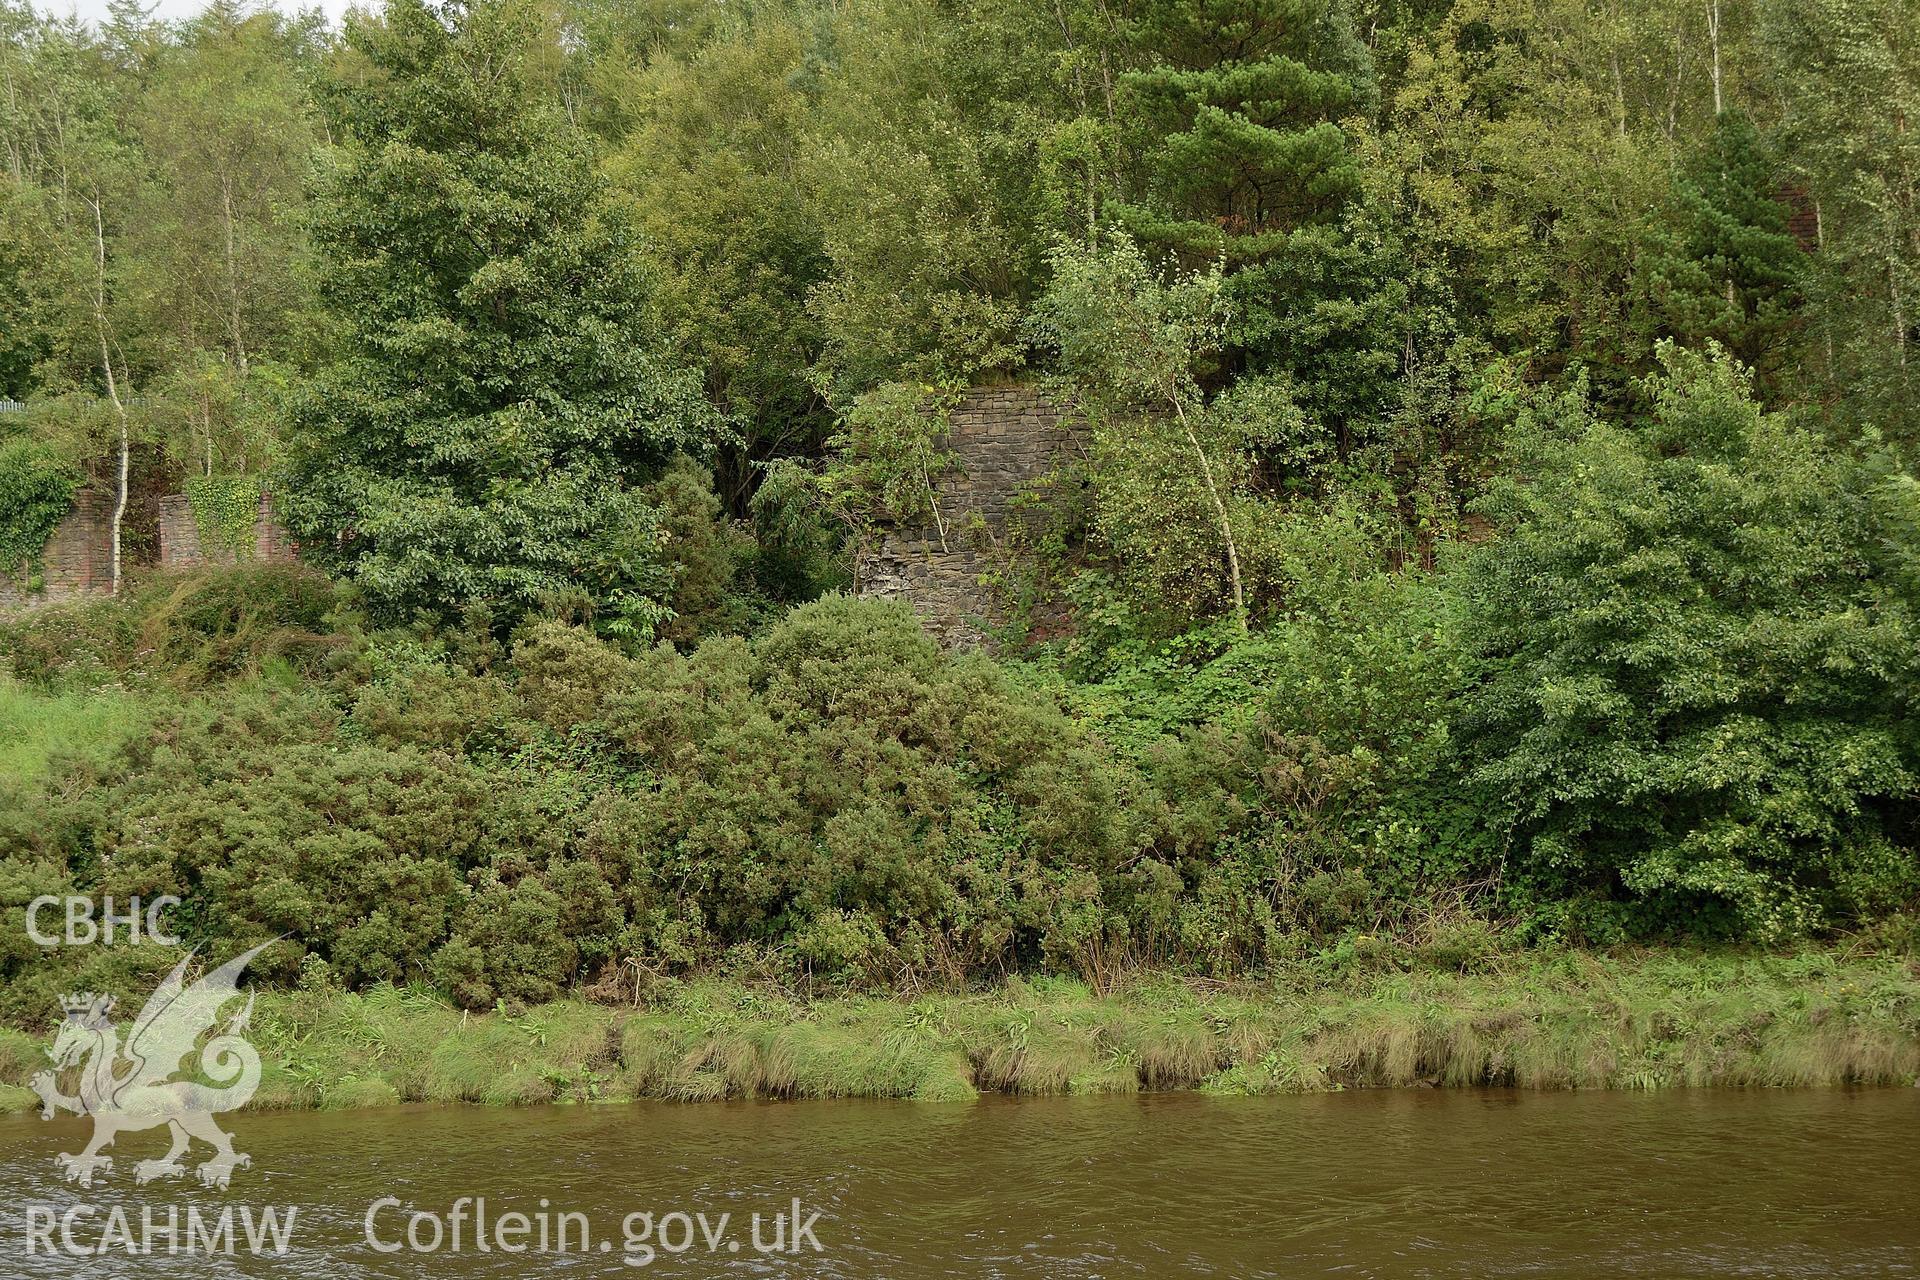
{"x":86,"y":1006}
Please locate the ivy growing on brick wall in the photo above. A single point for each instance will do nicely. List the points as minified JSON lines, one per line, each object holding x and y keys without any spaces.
{"x":36,"y":490}
{"x":224,"y":511}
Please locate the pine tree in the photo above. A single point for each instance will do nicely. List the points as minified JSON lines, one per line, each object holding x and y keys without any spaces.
{"x":1730,"y":270}
{"x":499,"y":403}
{"x":1235,"y":124}
{"x":1239,"y":155}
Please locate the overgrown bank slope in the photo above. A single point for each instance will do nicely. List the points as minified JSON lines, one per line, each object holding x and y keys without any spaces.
{"x":835,"y":804}
{"x":809,"y":863}
{"x":1566,"y":1021}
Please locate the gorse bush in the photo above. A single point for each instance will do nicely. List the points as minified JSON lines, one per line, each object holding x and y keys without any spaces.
{"x":842,"y":783}
{"x":837,"y":792}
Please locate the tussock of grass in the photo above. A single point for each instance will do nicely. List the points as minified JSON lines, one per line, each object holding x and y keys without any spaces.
{"x":1545,"y":1022}
{"x":36,"y":727}
{"x":20,"y":1055}
{"x":332,"y":1049}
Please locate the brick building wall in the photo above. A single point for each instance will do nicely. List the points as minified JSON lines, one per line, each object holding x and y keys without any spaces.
{"x":1002,"y":440}
{"x":78,"y":560}
{"x":180,"y":536}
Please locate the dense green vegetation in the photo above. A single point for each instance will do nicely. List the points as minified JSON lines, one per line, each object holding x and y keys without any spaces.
{"x":1500,"y":528}
{"x":841,"y":804}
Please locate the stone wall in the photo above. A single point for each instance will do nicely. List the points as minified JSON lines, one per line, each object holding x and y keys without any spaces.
{"x":78,"y":560}
{"x":1002,"y":439}
{"x":180,"y":536}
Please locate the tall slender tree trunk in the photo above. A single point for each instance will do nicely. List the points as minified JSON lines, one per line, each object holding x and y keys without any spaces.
{"x":1673,"y":84}
{"x":1086,"y":109}
{"x":1619,"y":95}
{"x":1107,"y":91}
{"x":1219,"y":511}
{"x":113,"y":387}
{"x":1820,"y":246}
{"x":1713,"y":38}
{"x":1613,"y":63}
{"x":13,"y":113}
{"x":1899,"y":303}
{"x":60,"y":141}
{"x":233,"y":278}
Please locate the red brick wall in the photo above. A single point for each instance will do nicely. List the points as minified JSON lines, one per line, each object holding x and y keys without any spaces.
{"x":78,"y":560}
{"x":180,"y":536}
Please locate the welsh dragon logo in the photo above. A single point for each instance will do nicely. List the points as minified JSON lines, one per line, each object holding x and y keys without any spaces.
{"x":133,"y":1086}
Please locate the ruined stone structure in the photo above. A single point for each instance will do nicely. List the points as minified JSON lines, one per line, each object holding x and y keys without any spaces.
{"x":78,"y":560}
{"x":180,"y":536}
{"x":1003,"y":440}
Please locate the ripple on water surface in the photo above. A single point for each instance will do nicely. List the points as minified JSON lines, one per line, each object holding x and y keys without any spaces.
{"x":1440,"y":1183}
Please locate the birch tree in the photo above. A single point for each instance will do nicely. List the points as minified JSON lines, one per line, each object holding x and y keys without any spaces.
{"x":228,"y":131}
{"x":84,"y":169}
{"x":1852,"y":120}
{"x":1130,"y":344}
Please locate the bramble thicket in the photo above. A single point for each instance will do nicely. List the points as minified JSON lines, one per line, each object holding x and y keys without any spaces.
{"x":1497,"y":526}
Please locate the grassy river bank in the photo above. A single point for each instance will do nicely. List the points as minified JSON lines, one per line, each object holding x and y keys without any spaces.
{"x":1550,"y":1021}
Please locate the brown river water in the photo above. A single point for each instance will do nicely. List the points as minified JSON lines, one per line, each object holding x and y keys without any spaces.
{"x":1389,"y":1183}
